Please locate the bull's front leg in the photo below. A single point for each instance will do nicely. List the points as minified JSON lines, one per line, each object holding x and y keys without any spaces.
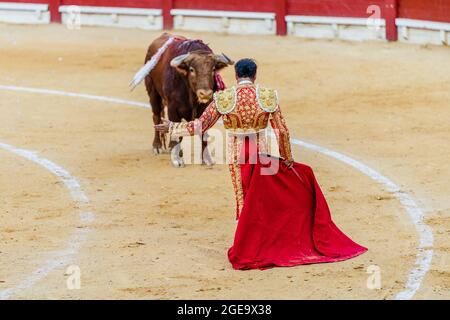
{"x":206,"y":156}
{"x":176,"y":153}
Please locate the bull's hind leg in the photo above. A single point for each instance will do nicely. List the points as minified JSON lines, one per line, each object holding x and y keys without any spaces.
{"x":158,"y":113}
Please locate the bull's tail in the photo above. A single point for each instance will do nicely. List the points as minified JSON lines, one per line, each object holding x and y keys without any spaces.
{"x":150,"y":65}
{"x":142,"y":73}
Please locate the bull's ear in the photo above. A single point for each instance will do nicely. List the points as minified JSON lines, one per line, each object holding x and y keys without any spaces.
{"x":222,"y":61}
{"x":180,"y":63}
{"x":183,"y":68}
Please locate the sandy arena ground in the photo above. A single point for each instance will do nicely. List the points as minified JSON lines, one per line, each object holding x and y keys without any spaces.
{"x":161,"y":232}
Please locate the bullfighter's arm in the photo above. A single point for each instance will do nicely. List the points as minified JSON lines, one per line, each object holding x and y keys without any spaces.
{"x":197,"y":126}
{"x":284,"y":143}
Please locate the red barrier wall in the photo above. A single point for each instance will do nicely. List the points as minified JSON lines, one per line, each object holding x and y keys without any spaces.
{"x":276,"y":6}
{"x":347,"y":8}
{"x":28,"y":1}
{"x":433,"y":10}
{"x":228,"y":5}
{"x":153,"y":4}
{"x":53,"y":7}
{"x":334,"y":8}
{"x":116,"y":3}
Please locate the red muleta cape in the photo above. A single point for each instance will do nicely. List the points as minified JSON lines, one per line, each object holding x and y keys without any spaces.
{"x":285,"y":221}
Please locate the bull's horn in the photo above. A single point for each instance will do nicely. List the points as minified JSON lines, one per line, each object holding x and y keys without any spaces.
{"x":223,"y":58}
{"x":175,"y":62}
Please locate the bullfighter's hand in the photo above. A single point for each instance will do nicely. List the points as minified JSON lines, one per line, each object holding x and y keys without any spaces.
{"x":163,"y":127}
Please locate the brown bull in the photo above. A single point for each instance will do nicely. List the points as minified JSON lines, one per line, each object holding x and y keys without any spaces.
{"x":184,"y":80}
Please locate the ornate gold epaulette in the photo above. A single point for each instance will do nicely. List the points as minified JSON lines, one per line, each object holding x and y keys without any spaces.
{"x":225,"y":100}
{"x":267,"y":99}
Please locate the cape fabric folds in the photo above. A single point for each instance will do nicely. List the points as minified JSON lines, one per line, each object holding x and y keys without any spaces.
{"x":285,"y":220}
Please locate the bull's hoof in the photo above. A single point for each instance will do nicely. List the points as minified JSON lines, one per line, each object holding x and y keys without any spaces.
{"x":208,"y":162}
{"x":157,"y":151}
{"x":178,"y":162}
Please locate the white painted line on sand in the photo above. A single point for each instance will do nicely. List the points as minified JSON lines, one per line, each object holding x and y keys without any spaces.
{"x":425,"y":251}
{"x":63,"y":257}
{"x":75,"y":95}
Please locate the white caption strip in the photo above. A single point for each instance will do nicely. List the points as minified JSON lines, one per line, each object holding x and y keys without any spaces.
{"x":60,"y":258}
{"x":425,"y":252}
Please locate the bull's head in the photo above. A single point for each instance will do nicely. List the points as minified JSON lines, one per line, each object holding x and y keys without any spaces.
{"x":199,"y":68}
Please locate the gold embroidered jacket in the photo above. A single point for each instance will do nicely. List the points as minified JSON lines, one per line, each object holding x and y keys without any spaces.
{"x":244,"y":108}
